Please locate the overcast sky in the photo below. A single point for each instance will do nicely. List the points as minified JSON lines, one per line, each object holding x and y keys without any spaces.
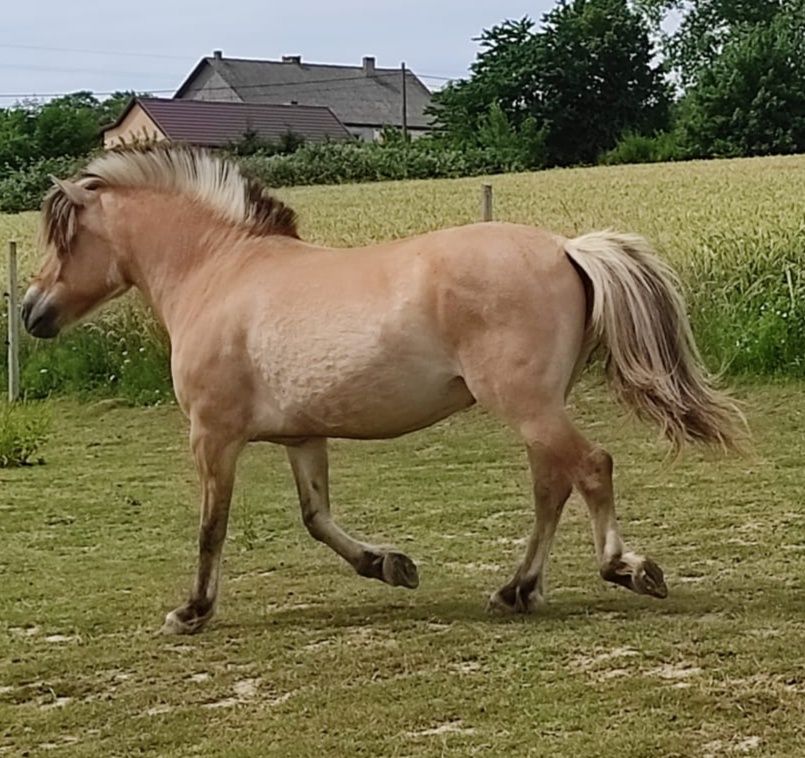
{"x":151,"y":46}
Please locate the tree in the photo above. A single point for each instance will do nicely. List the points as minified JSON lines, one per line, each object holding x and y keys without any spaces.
{"x":17,"y":143}
{"x":67,"y":126}
{"x":111,"y":107}
{"x":596,"y":79}
{"x":751,"y":100}
{"x":569,"y":90}
{"x":504,"y":75}
{"x":706,"y":27}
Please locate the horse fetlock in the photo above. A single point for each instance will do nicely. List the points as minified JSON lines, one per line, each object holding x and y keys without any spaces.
{"x":636,"y":573}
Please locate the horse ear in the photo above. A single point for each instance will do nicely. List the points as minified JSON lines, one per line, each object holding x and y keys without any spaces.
{"x":75,"y":193}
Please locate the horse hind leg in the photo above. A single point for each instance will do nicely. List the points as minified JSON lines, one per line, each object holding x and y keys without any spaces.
{"x":551,"y":489}
{"x":617,"y":564}
{"x":522,"y":378}
{"x":309,"y":463}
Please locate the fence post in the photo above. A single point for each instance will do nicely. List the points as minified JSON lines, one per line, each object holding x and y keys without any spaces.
{"x":486,"y":202}
{"x":13,"y":327}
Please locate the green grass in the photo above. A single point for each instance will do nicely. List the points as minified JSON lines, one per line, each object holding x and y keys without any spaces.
{"x":305,"y":658}
{"x":23,"y":430}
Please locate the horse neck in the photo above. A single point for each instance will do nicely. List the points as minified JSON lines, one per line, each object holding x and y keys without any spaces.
{"x":163,"y":242}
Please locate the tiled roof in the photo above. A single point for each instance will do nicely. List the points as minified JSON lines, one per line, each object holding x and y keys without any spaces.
{"x":356,"y":96}
{"x":216,"y":124}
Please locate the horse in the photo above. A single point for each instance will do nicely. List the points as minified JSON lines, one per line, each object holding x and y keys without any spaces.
{"x":274,"y":339}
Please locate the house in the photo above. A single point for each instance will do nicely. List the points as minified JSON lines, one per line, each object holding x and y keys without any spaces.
{"x":217,"y":124}
{"x":365,"y":98}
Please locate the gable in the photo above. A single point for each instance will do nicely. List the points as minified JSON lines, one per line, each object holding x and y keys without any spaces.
{"x":205,"y":83}
{"x":134,"y":124}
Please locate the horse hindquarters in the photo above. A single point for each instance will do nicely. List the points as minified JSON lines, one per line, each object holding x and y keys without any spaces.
{"x":520,"y":368}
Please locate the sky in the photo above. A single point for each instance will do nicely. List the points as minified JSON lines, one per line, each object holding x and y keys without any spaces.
{"x":48,"y":47}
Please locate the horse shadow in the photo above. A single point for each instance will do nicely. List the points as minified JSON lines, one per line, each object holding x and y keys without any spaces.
{"x":570,"y":608}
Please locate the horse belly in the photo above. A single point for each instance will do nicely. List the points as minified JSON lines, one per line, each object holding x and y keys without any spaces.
{"x":357,"y":388}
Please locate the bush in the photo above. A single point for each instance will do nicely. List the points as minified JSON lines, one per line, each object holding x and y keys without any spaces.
{"x":343,"y":162}
{"x":747,"y":302}
{"x":22,"y":189}
{"x":23,"y":429}
{"x":252,"y":144}
{"x":92,"y":361}
{"x":324,"y":163}
{"x":638,"y":148}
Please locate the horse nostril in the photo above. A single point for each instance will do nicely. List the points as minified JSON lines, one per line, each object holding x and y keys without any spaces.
{"x":26,"y":311}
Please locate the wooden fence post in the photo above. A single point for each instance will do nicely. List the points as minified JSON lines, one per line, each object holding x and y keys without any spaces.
{"x":486,"y":202}
{"x":13,"y":327}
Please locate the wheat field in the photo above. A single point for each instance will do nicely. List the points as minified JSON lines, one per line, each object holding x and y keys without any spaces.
{"x":722,"y":209}
{"x":733,"y":229}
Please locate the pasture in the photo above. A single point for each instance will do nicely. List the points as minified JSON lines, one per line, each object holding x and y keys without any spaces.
{"x":305,"y":658}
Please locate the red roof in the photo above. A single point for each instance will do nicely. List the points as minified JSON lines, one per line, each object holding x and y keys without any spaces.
{"x":215,"y":124}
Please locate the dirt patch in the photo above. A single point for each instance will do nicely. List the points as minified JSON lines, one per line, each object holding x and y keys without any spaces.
{"x":587,"y":662}
{"x":67,"y":739}
{"x":59,"y":702}
{"x":449,"y":727}
{"x":675,"y":671}
{"x":24,"y":631}
{"x":736,"y":746}
{"x":61,"y":638}
{"x":248,"y":691}
{"x":157,"y":710}
{"x":466,"y":667}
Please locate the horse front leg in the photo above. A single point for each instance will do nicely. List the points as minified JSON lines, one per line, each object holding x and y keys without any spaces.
{"x":309,"y":464}
{"x":215,"y":457}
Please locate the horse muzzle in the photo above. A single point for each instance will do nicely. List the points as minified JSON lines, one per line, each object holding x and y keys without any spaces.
{"x":40,"y":318}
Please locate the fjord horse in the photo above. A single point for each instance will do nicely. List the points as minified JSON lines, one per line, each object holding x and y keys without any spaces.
{"x":279,"y":340}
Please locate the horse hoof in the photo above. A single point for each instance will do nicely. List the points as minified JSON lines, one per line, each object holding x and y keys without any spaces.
{"x":400,"y":571}
{"x":649,"y":580}
{"x":183,"y":621}
{"x":509,"y":602}
{"x":641,"y":575}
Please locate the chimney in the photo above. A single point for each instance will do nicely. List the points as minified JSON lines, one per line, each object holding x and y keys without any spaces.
{"x":292,"y":59}
{"x":368,"y":65}
{"x":217,"y":54}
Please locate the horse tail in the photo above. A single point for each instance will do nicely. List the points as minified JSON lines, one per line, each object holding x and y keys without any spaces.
{"x":637,"y":316}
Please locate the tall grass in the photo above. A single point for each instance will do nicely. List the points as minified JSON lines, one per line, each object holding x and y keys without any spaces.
{"x":734,"y":230}
{"x":748,"y":310}
{"x":23,"y":429}
{"x":121,"y":354}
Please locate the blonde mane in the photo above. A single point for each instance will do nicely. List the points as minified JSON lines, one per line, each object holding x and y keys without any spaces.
{"x":207,"y":178}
